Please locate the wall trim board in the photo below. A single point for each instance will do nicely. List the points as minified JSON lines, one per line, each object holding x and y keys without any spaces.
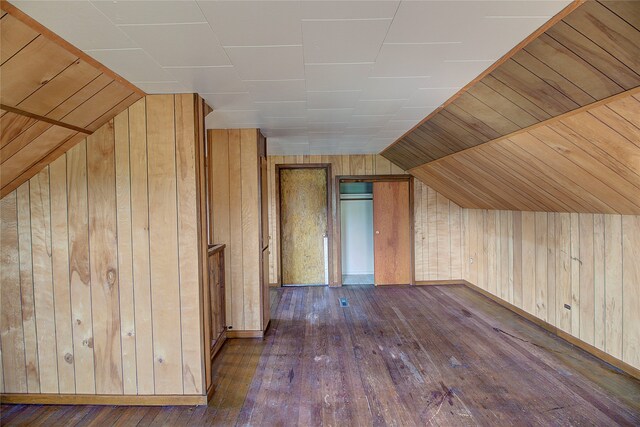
{"x":623,"y":366}
{"x":612,"y":98}
{"x":541,"y":30}
{"x":245,"y":334}
{"x":35,"y":25}
{"x":103,"y":399}
{"x":440,"y":282}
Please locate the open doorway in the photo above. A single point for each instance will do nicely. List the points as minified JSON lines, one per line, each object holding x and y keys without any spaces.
{"x":356,"y":223}
{"x":305,"y":224}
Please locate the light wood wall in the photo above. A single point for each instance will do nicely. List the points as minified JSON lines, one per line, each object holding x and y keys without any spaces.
{"x":540,"y":261}
{"x":100,"y":262}
{"x":437,"y":219}
{"x":235,"y":221}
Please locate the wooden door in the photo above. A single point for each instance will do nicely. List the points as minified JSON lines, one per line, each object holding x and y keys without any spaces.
{"x":392,"y":233}
{"x":303,"y":225}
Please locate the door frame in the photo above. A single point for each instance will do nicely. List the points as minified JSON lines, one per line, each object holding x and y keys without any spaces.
{"x":374,"y":178}
{"x":327,"y":168}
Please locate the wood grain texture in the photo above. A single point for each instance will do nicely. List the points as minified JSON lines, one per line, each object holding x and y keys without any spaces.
{"x":87,"y":264}
{"x":575,"y":260}
{"x":392,"y":233}
{"x":46,"y":79}
{"x":589,"y":55}
{"x":586,"y":162}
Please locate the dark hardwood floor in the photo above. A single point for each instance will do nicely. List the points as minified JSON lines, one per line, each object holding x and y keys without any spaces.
{"x":405,"y":356}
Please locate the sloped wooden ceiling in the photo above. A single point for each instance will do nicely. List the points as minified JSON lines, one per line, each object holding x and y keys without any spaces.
{"x":555,"y":127}
{"x":52,"y":95}
{"x":589,"y":55}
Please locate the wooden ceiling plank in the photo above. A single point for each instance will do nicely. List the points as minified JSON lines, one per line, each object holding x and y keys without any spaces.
{"x":553,"y":78}
{"x":627,"y":108}
{"x":574,"y":179}
{"x":117,"y":109}
{"x":75,"y":100}
{"x":31,"y":68}
{"x":60,"y":88}
{"x":532,"y":87}
{"x":521,"y":101}
{"x":22,"y":140}
{"x":502,"y":105}
{"x":448,"y":141}
{"x":472,"y":122}
{"x":448,"y":124}
{"x":535,"y":170}
{"x":476,"y":137}
{"x":33,"y":152}
{"x":487,"y":115}
{"x":42,"y":163}
{"x":593,"y":54}
{"x":44,"y":119}
{"x":13,"y":125}
{"x":575,"y":69}
{"x":609,"y":31}
{"x":434,"y":145}
{"x":620,"y":124}
{"x":460,"y":196}
{"x":15,"y":36}
{"x":595,"y":166}
{"x":97,"y":105}
{"x":628,"y":10}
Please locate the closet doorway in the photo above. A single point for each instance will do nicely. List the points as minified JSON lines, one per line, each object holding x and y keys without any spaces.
{"x":376,"y":229}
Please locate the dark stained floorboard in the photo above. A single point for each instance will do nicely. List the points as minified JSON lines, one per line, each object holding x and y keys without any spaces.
{"x":405,"y":356}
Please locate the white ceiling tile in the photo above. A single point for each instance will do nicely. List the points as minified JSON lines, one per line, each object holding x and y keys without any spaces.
{"x":230,"y":101}
{"x":343,"y":41}
{"x":317,"y":127}
{"x":393,"y":88}
{"x":334,"y":99}
{"x":392,"y":134}
{"x":254,"y":23}
{"x":238,"y":117}
{"x":368,"y":120}
{"x":285,"y":122}
{"x":287,"y":132}
{"x":402,"y":125}
{"x":348,"y":9}
{"x":363,"y":131}
{"x":283,"y":109}
{"x":412,"y":114}
{"x":78,"y":22}
{"x":409,"y":60}
{"x":150,"y":12}
{"x":162,"y":87}
{"x":179,"y":44}
{"x":336,"y":77}
{"x":378,"y":107}
{"x":285,"y":90}
{"x":329,"y":115}
{"x":457,"y":74}
{"x":268,"y":63}
{"x":133,"y":64}
{"x":209,"y":79}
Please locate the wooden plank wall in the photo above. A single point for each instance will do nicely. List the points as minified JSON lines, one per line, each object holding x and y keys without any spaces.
{"x":235,"y":221}
{"x":587,"y":161}
{"x":52,"y":95}
{"x":436,"y":218}
{"x":100,"y":274}
{"x":589,"y":55}
{"x":540,"y":261}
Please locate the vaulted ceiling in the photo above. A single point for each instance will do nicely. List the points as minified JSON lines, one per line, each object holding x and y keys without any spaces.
{"x":51,"y":96}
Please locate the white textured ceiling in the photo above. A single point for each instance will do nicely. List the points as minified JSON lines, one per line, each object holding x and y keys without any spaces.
{"x":318,"y":77}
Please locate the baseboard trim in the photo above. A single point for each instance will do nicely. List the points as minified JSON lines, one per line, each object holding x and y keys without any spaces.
{"x":439,"y":282}
{"x":623,"y":366}
{"x":245,"y":334}
{"x":103,"y":399}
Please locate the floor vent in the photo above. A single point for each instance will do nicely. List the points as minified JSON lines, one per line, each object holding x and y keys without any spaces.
{"x":344,"y":302}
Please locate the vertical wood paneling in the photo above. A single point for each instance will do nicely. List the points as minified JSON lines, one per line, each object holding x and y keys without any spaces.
{"x":26,"y":289}
{"x":187,"y":250}
{"x":163,"y":245}
{"x":236,"y":315}
{"x":83,"y":266}
{"x":14,"y":372}
{"x":79,"y":268}
{"x":43,"y":281}
{"x":140,"y":247}
{"x":443,"y":236}
{"x":125,"y":253}
{"x":60,"y":269}
{"x":631,"y":290}
{"x":586,"y":261}
{"x":104,"y":260}
{"x":432,"y":235}
{"x":418,"y":234}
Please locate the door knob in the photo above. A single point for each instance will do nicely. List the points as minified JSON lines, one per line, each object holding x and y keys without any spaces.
{"x":377,"y":232}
